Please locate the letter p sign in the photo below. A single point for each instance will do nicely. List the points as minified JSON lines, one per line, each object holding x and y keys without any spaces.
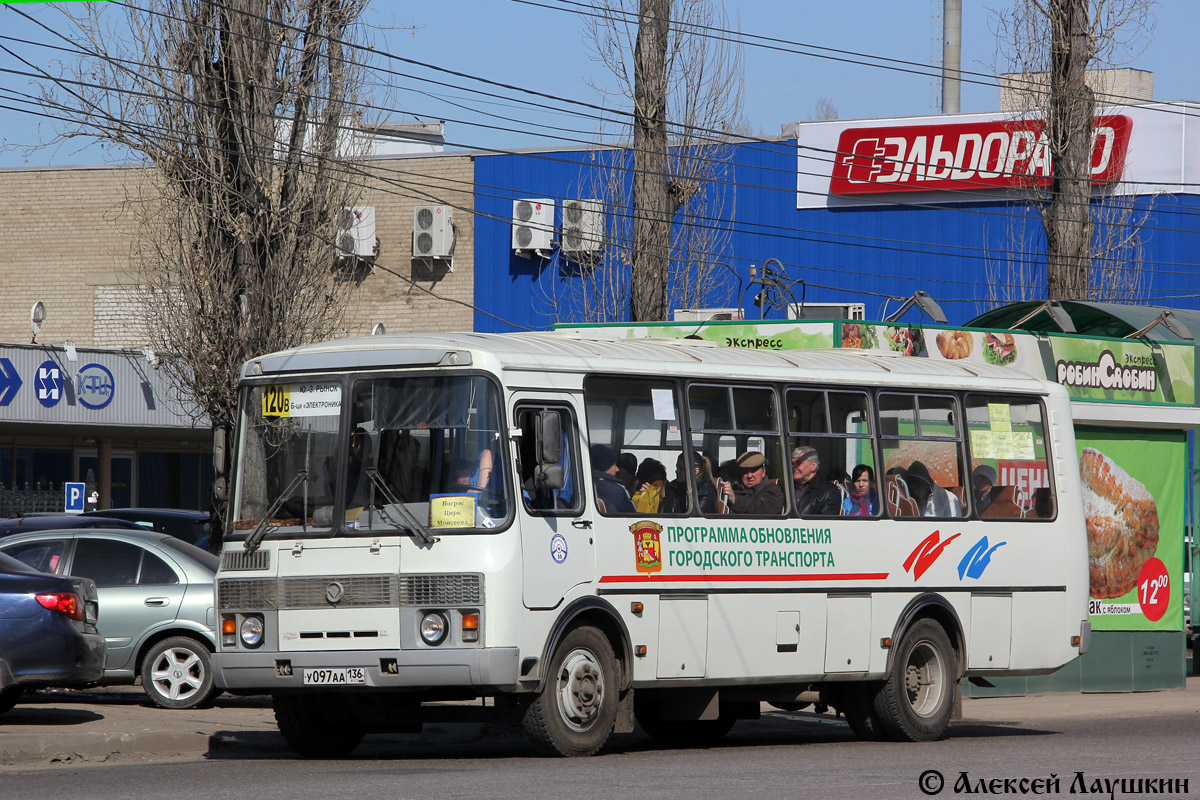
{"x":74,"y":497}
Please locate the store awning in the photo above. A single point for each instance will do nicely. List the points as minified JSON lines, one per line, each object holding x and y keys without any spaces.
{"x":1091,"y":319}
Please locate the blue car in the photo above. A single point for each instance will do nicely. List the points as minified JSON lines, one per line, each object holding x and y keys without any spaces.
{"x":48,"y":631}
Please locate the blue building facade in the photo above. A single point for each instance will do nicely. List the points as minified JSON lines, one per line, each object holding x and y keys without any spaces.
{"x":970,"y":246}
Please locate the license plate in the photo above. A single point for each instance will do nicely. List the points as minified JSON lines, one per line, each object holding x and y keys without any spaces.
{"x":336,"y":677}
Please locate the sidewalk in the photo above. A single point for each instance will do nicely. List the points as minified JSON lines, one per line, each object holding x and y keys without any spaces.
{"x":118,"y":724}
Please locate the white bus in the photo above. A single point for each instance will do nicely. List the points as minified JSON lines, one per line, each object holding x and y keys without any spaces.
{"x":414,"y":520}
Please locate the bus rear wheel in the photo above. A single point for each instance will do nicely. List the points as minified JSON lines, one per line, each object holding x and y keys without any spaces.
{"x":318,"y":725}
{"x":915,"y":702}
{"x":577,"y":706}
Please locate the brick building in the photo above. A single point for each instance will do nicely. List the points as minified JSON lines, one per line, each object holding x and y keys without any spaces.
{"x":72,"y":232}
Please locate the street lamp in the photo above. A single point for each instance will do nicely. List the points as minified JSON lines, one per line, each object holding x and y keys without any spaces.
{"x":924,"y":302}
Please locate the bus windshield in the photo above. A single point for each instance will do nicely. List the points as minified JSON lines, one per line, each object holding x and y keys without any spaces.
{"x":425,"y":448}
{"x":419,"y":453}
{"x":288,"y":470}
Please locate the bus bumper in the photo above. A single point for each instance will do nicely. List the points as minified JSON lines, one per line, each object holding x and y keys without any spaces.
{"x":394,"y":669}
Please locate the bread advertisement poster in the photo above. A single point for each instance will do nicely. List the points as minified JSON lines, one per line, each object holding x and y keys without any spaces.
{"x":1133,"y":499}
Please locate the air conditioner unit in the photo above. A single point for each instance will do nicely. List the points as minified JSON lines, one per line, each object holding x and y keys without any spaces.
{"x":706,"y":314}
{"x":433,"y":232}
{"x":356,"y":232}
{"x":582,"y":226}
{"x":533,"y":225}
{"x":827,"y":311}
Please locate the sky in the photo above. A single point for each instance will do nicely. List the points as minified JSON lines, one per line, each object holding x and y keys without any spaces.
{"x":542,"y":49}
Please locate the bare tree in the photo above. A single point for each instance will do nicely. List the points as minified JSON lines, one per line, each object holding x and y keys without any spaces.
{"x":1116,"y":270}
{"x":236,"y":106}
{"x":667,"y":199}
{"x":1051,"y":44}
{"x":824,"y":109}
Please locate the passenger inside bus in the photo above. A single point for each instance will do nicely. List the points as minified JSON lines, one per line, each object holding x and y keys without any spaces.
{"x":862,"y":499}
{"x":815,"y":497}
{"x":752,"y":493}
{"x":654,"y":495}
{"x":931,"y":499}
{"x":611,"y":497}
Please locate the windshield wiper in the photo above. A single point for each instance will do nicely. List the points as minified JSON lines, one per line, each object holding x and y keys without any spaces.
{"x":255,"y":537}
{"x":419,"y":531}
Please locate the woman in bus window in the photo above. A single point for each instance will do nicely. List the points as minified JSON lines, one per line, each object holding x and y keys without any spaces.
{"x":863,"y":500}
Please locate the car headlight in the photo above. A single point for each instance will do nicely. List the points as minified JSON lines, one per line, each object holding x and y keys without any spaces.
{"x":252,"y":631}
{"x":433,"y":628}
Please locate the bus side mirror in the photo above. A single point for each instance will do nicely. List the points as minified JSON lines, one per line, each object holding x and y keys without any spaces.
{"x":549,"y":438}
{"x":219,"y":440}
{"x":548,"y":476}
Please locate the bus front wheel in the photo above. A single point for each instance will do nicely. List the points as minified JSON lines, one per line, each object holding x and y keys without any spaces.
{"x":319,"y":725}
{"x":915,"y":702}
{"x":577,"y":706}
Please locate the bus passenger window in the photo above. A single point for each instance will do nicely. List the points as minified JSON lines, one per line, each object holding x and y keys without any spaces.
{"x":923,"y":474}
{"x":1010,"y":473}
{"x":830,"y":443}
{"x":741,"y":425}
{"x":636,"y":422}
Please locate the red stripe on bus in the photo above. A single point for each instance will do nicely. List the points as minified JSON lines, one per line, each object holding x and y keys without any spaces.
{"x":846,"y":576}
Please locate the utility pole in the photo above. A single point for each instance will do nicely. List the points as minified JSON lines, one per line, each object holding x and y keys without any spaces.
{"x":1067,"y":219}
{"x":652,"y":209}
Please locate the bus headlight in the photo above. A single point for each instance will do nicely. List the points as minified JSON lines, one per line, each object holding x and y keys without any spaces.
{"x":252,"y":631}
{"x":433,"y":628}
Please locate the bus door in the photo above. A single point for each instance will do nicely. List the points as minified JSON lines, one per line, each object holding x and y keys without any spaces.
{"x":557,"y":538}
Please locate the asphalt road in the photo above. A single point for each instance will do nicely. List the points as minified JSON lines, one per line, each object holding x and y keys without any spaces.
{"x":1104,"y":737}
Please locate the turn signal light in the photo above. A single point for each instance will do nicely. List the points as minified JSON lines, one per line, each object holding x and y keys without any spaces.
{"x":639,"y":650}
{"x":636,"y":607}
{"x":470,"y":627}
{"x":228,"y":626}
{"x":1075,"y":640}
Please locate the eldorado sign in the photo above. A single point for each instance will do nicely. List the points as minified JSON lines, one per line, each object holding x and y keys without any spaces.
{"x":965,"y":156}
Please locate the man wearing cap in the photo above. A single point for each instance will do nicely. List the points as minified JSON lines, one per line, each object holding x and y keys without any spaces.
{"x":814,"y":497}
{"x":752,"y":493}
{"x":604,"y":477}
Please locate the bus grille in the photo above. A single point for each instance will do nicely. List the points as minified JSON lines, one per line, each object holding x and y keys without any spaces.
{"x":246,"y":593}
{"x":441,"y":590}
{"x":358,"y":591}
{"x":242,"y":560}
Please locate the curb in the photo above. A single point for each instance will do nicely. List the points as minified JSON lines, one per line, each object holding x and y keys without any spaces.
{"x":94,"y":746}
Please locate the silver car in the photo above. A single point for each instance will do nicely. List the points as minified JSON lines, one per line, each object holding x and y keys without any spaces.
{"x":156,"y":597}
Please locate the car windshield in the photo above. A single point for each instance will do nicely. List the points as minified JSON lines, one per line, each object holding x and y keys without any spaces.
{"x":288,"y":464}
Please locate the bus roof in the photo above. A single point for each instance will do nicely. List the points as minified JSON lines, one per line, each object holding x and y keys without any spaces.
{"x":576,"y":351}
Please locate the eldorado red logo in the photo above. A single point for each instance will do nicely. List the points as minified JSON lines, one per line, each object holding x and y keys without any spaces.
{"x":961,"y":157}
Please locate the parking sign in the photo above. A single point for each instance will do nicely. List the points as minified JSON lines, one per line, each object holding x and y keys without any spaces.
{"x":74,"y":497}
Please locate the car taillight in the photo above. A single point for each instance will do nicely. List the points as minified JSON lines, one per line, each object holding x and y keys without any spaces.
{"x":66,"y":602}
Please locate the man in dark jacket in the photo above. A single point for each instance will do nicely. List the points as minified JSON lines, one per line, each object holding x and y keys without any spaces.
{"x":814,"y":497}
{"x":604,"y":477}
{"x":752,"y":493}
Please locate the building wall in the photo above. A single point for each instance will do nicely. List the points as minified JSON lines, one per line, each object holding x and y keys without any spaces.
{"x":969,"y":256}
{"x":70,"y":232}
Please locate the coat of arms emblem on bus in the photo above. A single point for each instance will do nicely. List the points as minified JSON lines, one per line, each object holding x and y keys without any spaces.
{"x":647,"y":546}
